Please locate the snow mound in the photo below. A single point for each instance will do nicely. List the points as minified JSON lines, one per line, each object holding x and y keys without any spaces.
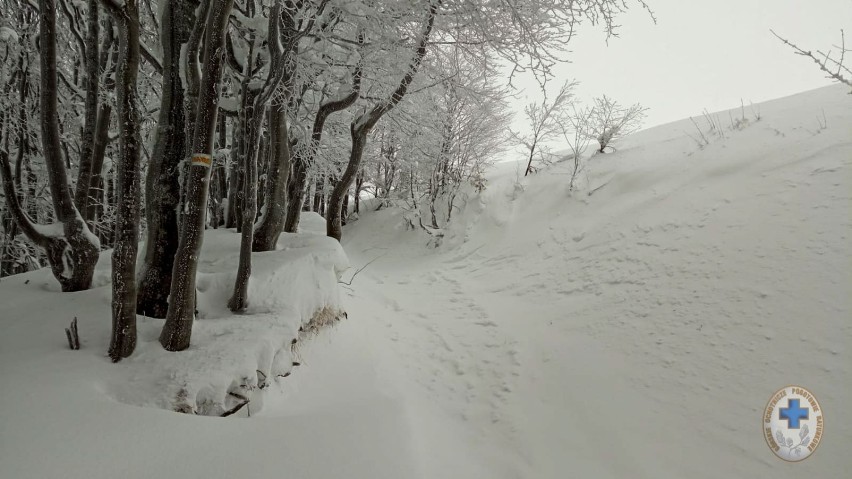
{"x":232,"y":357}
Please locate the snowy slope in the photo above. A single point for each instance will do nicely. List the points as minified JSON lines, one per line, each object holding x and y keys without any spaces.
{"x":635,"y":327}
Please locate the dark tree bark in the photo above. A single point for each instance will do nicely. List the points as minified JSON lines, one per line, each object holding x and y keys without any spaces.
{"x":233,"y":177}
{"x":365,"y":122}
{"x":92,"y":60}
{"x":244,"y":149}
{"x":192,"y":57}
{"x":162,"y":187}
{"x":123,"y":339}
{"x":359,"y":186}
{"x":345,"y":210}
{"x":277,"y":176}
{"x":177,"y":329}
{"x":98,"y":153}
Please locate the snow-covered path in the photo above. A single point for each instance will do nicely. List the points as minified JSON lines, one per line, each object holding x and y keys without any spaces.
{"x":633,"y":329}
{"x":508,"y":393}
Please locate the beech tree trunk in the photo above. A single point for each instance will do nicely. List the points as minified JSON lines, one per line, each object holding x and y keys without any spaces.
{"x":278,"y":174}
{"x":82,"y":194}
{"x":239,"y":300}
{"x":123,"y":339}
{"x":177,"y":329}
{"x":297,"y":194}
{"x":162,"y":187}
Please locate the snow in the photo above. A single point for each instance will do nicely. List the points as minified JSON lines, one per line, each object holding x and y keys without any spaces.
{"x":635,"y":327}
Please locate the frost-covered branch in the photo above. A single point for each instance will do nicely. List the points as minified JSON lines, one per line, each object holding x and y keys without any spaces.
{"x":834,"y":68}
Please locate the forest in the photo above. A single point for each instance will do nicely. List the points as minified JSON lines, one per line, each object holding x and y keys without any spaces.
{"x":136,"y":125}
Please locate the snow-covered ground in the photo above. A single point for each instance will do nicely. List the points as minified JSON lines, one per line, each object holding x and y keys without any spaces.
{"x":635,"y":327}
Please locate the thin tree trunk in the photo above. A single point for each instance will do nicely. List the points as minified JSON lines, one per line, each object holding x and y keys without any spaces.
{"x":278,"y":174}
{"x":233,"y":178}
{"x":345,"y":209}
{"x":239,"y":300}
{"x":98,"y":153}
{"x":359,"y":185}
{"x":123,"y":339}
{"x":177,"y":329}
{"x":162,"y":186}
{"x":81,"y":195}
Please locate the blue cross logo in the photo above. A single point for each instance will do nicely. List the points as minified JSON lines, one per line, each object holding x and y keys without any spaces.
{"x":793,"y":413}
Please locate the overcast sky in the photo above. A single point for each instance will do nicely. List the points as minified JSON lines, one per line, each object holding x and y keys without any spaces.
{"x":706,"y":54}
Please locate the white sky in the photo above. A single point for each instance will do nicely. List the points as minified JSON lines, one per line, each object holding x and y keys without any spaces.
{"x":705,"y":54}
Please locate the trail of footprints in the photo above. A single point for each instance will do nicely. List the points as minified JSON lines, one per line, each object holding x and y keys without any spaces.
{"x":466,"y":362}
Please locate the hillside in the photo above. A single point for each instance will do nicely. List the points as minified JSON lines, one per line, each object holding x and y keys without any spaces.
{"x":635,"y":327}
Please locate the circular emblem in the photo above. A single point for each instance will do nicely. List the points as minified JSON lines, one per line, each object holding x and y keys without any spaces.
{"x":793,"y":423}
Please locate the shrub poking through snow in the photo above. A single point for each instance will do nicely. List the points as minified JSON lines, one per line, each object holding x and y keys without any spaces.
{"x":610,"y":120}
{"x":73,"y":337}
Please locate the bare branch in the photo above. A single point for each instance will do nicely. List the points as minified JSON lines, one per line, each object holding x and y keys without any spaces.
{"x":824,"y":63}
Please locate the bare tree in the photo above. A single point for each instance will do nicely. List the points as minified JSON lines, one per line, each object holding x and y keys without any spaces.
{"x":610,"y":120}
{"x":575,"y":131}
{"x":544,"y":118}
{"x":833,"y":67}
{"x":364,"y":123}
{"x":177,"y":329}
{"x":123,"y":339}
{"x":308,"y":153}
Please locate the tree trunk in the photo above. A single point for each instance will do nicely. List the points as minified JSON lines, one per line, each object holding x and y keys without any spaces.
{"x":278,"y":174}
{"x":334,"y":225}
{"x":345,"y":211}
{"x":296,"y":200}
{"x":98,"y":153}
{"x":177,"y":329}
{"x":123,"y":339}
{"x":162,"y":187}
{"x":81,"y":195}
{"x":239,"y":300}
{"x":359,"y":185}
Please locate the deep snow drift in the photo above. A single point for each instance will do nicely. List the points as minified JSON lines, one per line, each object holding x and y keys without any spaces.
{"x":635,"y":327}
